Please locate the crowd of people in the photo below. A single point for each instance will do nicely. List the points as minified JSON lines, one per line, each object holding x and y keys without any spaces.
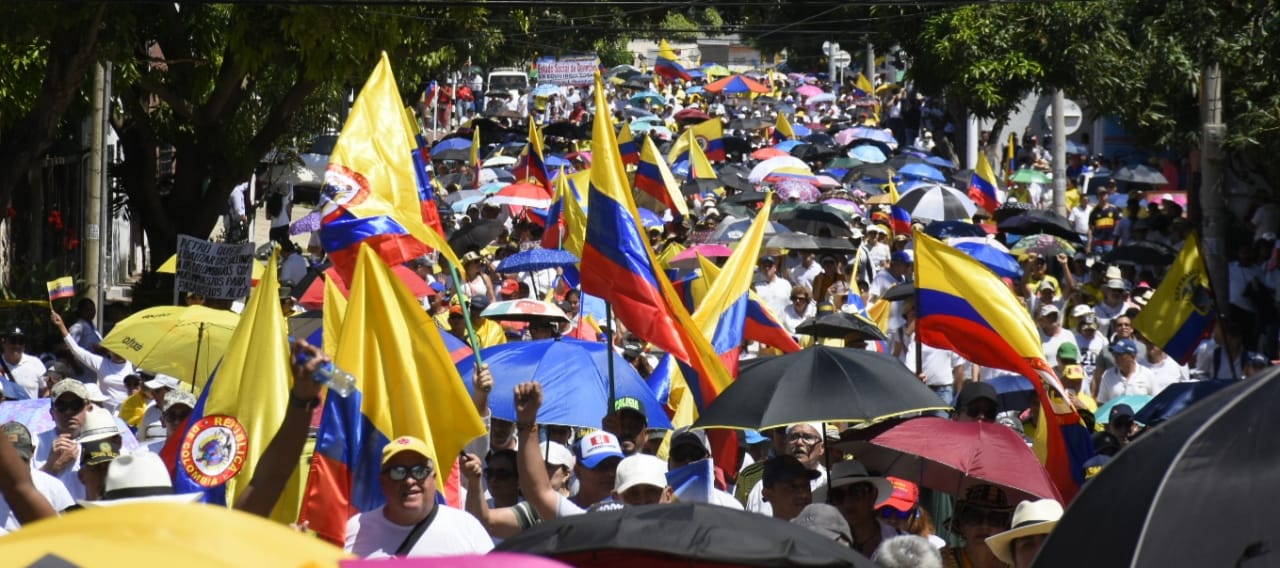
{"x":110,"y":418}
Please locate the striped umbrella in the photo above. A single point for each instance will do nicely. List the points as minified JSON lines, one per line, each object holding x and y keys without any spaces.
{"x":937,"y":203}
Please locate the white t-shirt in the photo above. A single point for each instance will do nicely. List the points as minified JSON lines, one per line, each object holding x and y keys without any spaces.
{"x":27,"y":374}
{"x":939,"y":364}
{"x":110,"y":374}
{"x":1079,"y":217}
{"x":70,"y":477}
{"x":1165,"y":373}
{"x":47,"y":485}
{"x":881,"y":284}
{"x":452,"y":533}
{"x":1090,"y":351}
{"x":775,"y":295}
{"x":1051,"y":344}
{"x":1113,"y":384}
{"x":802,"y":275}
{"x":85,"y":334}
{"x":791,"y":318}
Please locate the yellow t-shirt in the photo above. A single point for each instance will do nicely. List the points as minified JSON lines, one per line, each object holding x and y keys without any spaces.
{"x":132,"y":409}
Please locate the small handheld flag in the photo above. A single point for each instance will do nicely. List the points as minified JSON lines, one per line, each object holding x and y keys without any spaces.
{"x":64,"y":287}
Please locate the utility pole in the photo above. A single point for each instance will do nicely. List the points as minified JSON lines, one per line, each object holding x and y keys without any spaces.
{"x":93,"y":205}
{"x":832,"y":48}
{"x":869,"y":64}
{"x":1059,"y":153}
{"x":1213,"y":199}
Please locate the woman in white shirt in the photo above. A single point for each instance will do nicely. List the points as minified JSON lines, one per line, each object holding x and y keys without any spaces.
{"x":801,"y":308}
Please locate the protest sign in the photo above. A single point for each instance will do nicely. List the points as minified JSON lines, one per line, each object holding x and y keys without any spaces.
{"x":214,"y":270}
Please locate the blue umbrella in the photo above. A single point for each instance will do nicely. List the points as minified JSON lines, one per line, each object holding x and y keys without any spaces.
{"x":868,"y":154}
{"x":460,"y":206}
{"x":873,"y":134}
{"x":553,"y":161}
{"x":801,"y":130}
{"x":575,"y":381}
{"x":695,"y":90}
{"x":647,"y":97}
{"x":1014,"y":392}
{"x":447,"y":144}
{"x":1135,"y":401}
{"x":1000,"y":262}
{"x":536,"y":259}
{"x":952,"y":229}
{"x":787,"y":145}
{"x":923,"y":171}
{"x":940,"y":162}
{"x":545,"y":90}
{"x":649,"y":218}
{"x":1177,"y":397}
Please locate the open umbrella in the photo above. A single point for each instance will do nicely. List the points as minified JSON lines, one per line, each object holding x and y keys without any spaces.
{"x":691,"y":115}
{"x":953,"y":229}
{"x":1207,"y":493}
{"x":809,"y":90}
{"x":749,"y":124}
{"x":1045,"y":246}
{"x":900,"y":291}
{"x":1028,"y":175}
{"x":1040,"y":221}
{"x":950,"y":456}
{"x":1140,"y":173}
{"x":1135,"y":401}
{"x":732,"y":230}
{"x":688,"y":258}
{"x":524,"y":310}
{"x":647,"y":98}
{"x":819,"y":384}
{"x":574,"y":376}
{"x":183,"y":342}
{"x":478,"y":234}
{"x":922,"y":172}
{"x":814,"y":220}
{"x":1146,"y":253}
{"x":937,"y":203}
{"x":681,"y":535}
{"x":1010,"y":209}
{"x":868,"y":154}
{"x":1176,"y":398}
{"x":34,"y":414}
{"x":792,"y":241}
{"x":878,"y":173}
{"x":1000,"y":262}
{"x":768,"y":152}
{"x":838,"y":324}
{"x":536,"y":259}
{"x":1013,"y":392}
{"x":763,"y":169}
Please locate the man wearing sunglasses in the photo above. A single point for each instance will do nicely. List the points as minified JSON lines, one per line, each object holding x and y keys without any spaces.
{"x":58,"y":451}
{"x":19,"y":366}
{"x":856,"y":494}
{"x":977,"y":403}
{"x":412,"y":523}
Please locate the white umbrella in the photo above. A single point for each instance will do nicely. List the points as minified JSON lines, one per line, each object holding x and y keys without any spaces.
{"x":937,"y":203}
{"x":498,"y":161}
{"x":763,"y":169}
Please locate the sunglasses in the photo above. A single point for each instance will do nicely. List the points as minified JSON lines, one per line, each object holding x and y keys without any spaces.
{"x":399,"y":472}
{"x":839,"y":494}
{"x":974,"y":516}
{"x":891,"y":513}
{"x":499,"y":474}
{"x":972,"y":412}
{"x":70,"y":406}
{"x":799,"y":298}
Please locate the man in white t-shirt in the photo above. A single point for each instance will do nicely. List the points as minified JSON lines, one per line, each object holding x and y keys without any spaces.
{"x":46,"y":484}
{"x":58,"y":450}
{"x":1052,"y":334}
{"x":408,"y":482}
{"x":21,"y":367}
{"x":807,"y":270}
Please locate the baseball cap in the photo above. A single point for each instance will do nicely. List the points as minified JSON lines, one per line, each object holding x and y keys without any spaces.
{"x":1048,"y":284}
{"x":975,"y":391}
{"x":596,"y":447}
{"x":1089,"y":321}
{"x":753,"y":437}
{"x":556,"y":454}
{"x":99,"y":452}
{"x":687,"y":437}
{"x":628,"y":403}
{"x":405,"y":444}
{"x":479,"y":303}
{"x":1069,"y":350}
{"x":1048,"y":309}
{"x":783,"y":468}
{"x":72,"y":386}
{"x":903,"y":256}
{"x":1073,"y":372}
{"x":905,"y":494}
{"x":1124,"y":346}
{"x":1081,"y":310}
{"x":825,"y":520}
{"x":178,"y":396}
{"x":61,"y":369}
{"x":161,"y":381}
{"x":766,"y":260}
{"x":1121,"y":411}
{"x":640,"y":469}
{"x":1117,"y":284}
{"x":20,"y":436}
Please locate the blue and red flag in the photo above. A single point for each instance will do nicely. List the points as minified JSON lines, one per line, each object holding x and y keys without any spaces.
{"x":654,"y":178}
{"x":667,"y":65}
{"x":627,"y":146}
{"x":982,"y":185}
{"x":530,"y":165}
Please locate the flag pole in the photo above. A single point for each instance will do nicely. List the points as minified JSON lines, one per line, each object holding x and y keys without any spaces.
{"x":465,"y":302}
{"x":608,"y":334}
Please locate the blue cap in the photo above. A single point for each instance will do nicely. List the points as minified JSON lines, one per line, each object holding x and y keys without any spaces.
{"x":1124,"y":346}
{"x":903,"y":256}
{"x":754,"y":437}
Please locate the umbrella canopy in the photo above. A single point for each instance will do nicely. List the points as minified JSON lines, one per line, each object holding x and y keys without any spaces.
{"x":1010,"y":209}
{"x":922,"y":172}
{"x":688,"y":258}
{"x":736,"y":85}
{"x":809,"y":90}
{"x":937,"y":203}
{"x":1176,"y":398}
{"x":838,"y":324}
{"x":814,"y":221}
{"x":1146,"y":253}
{"x":536,"y":259}
{"x":878,"y":173}
{"x":796,"y":190}
{"x":868,"y":154}
{"x":692,"y":114}
{"x":34,"y":414}
{"x":749,"y":124}
{"x":752,"y":197}
{"x":953,"y":229}
{"x":456,"y":143}
{"x":498,"y":161}
{"x":900,"y":291}
{"x":940,"y":162}
{"x":647,"y":98}
{"x":199,"y":536}
{"x":867,"y":133}
{"x":184,"y":342}
{"x":475,"y":236}
{"x":1013,"y":392}
{"x":768,"y":152}
{"x":732,"y":230}
{"x":1140,"y":173}
{"x":819,"y":99}
{"x":1028,"y":175}
{"x":1046,"y":246}
{"x":313,"y":297}
{"x":574,"y":376}
{"x":792,"y":241}
{"x":1214,"y":463}
{"x":716,"y":70}
{"x":763,"y":169}
{"x":524,"y":310}
{"x":682,"y":534}
{"x":950,"y":456}
{"x":1040,"y":221}
{"x":819,"y":384}
{"x":1000,"y":262}
{"x":1135,"y":401}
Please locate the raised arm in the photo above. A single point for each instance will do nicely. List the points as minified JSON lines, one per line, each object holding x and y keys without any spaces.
{"x":501,"y":523}
{"x":534,"y":482}
{"x":85,"y":357}
{"x":18,"y":489}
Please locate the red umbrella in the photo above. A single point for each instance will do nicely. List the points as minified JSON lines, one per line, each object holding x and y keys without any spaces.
{"x":950,"y":457}
{"x":737,"y":84}
{"x":692,"y":114}
{"x":313,"y":298}
{"x":523,"y":194}
{"x":768,"y":152}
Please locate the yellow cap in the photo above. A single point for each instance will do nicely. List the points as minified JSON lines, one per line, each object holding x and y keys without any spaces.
{"x":405,"y":444}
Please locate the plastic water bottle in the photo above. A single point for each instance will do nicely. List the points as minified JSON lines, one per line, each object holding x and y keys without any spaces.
{"x":339,"y":381}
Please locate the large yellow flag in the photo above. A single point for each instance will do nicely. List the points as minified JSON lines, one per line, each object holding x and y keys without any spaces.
{"x":1181,"y":312}
{"x":407,"y":381}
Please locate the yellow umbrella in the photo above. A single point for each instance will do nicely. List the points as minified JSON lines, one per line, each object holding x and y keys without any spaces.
{"x":171,"y":267}
{"x":164,"y":534}
{"x":183,"y":341}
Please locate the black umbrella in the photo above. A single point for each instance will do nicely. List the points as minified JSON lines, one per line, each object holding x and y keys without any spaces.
{"x":792,"y":241}
{"x":813,"y":152}
{"x":1010,"y":209}
{"x":1207,"y":492}
{"x":949,"y":229}
{"x":839,"y":324}
{"x":1142,"y":253}
{"x":638,"y":82}
{"x":735,"y":178}
{"x":1039,"y":221}
{"x":749,"y":124}
{"x":475,"y":236}
{"x":815,"y":222}
{"x":822,"y":139}
{"x":900,"y":292}
{"x":735,"y":145}
{"x":819,"y":384}
{"x":897,"y":162}
{"x":565,"y":129}
{"x":684,"y":534}
{"x":747,"y":197}
{"x":460,"y":155}
{"x":868,"y":171}
{"x":699,"y":186}
{"x":1140,"y":173}
{"x":1174,"y":399}
{"x":490,"y":131}
{"x":835,"y":245}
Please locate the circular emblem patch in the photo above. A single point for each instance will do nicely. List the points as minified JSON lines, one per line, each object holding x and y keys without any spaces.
{"x":214,"y":450}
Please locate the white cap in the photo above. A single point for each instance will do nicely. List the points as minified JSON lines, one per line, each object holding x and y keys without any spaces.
{"x":557,"y":454}
{"x":1048,"y":309}
{"x":161,"y":381}
{"x":95,"y":393}
{"x":640,"y":469}
{"x":1081,"y":310}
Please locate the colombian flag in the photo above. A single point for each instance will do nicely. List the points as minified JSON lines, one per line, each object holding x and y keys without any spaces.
{"x":531,"y":166}
{"x":426,"y":190}
{"x":1181,"y":311}
{"x":627,"y":145}
{"x":708,"y":135}
{"x":899,"y":219}
{"x":371,"y":193}
{"x":63,"y":287}
{"x":654,"y":178}
{"x":967,"y":309}
{"x":667,"y":66}
{"x":782,"y":131}
{"x":982,"y":185}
